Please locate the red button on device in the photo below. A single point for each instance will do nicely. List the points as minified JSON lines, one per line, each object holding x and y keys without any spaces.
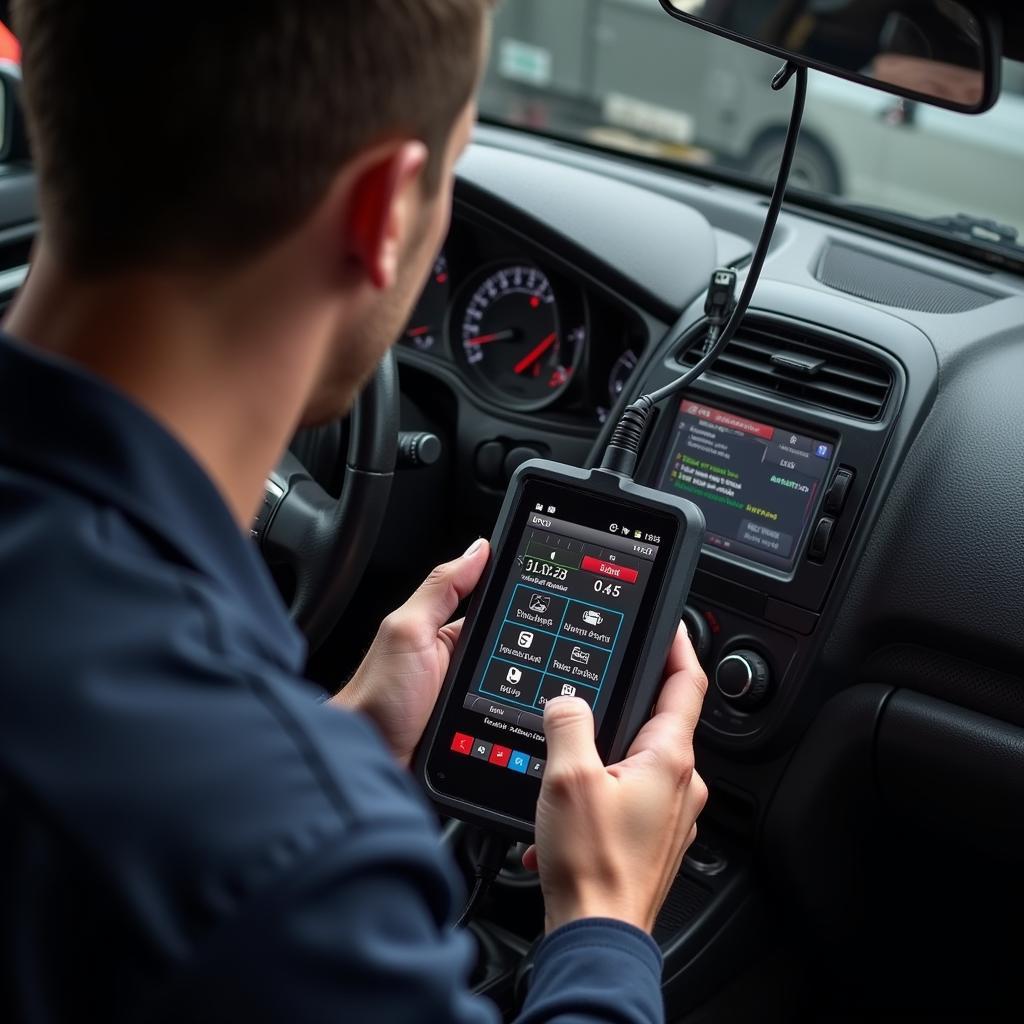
{"x":616,"y":572}
{"x":500,"y":755}
{"x":462,"y":744}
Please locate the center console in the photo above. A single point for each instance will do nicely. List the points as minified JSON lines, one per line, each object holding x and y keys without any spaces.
{"x":780,"y":446}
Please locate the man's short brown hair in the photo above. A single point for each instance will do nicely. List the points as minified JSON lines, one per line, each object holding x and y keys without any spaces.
{"x":177,"y":133}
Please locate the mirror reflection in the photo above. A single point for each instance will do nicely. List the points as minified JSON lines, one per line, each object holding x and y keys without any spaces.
{"x":932,"y":48}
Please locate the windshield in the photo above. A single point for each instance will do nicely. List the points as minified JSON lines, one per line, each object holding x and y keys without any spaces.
{"x":621,"y":74}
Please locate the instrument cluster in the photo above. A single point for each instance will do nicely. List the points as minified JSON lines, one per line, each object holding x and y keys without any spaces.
{"x":524,"y":334}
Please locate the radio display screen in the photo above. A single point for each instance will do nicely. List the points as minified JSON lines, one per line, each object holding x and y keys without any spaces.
{"x":757,"y":484}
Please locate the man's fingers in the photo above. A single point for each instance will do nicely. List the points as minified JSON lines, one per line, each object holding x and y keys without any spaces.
{"x":530,"y":862}
{"x":669,"y":733}
{"x":685,"y":684}
{"x":681,"y":656}
{"x":450,"y":634}
{"x":569,"y":733}
{"x":416,"y":623}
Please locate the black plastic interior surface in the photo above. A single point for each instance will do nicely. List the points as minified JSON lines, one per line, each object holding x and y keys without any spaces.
{"x":888,"y":758}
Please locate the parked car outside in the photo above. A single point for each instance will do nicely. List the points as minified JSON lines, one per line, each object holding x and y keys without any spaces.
{"x":633,"y":80}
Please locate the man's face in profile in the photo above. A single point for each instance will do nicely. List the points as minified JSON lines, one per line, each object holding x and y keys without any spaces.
{"x":359,"y":348}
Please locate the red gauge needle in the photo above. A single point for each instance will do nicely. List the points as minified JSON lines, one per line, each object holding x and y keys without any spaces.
{"x":486,"y":339}
{"x":528,"y":360}
{"x":416,"y":332}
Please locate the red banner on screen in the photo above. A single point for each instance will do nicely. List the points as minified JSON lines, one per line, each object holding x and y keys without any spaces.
{"x":727,"y":419}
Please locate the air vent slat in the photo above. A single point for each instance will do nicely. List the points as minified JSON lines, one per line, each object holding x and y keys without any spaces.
{"x":843,"y":382}
{"x":786,"y":379}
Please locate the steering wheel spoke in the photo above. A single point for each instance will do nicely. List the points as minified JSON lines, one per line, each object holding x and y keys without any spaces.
{"x":326,"y":542}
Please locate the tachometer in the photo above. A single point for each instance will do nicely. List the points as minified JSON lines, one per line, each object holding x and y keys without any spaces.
{"x":513,"y":340}
{"x":424,"y":330}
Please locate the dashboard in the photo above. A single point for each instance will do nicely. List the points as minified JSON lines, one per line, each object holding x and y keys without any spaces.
{"x":856,"y":453}
{"x":542,"y":319}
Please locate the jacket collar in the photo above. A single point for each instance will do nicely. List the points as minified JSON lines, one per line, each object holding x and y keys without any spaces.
{"x":61,"y":422}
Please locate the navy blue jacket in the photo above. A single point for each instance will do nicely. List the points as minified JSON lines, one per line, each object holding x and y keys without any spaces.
{"x":186,"y":833}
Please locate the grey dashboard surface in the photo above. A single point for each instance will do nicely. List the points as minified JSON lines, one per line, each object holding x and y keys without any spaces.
{"x":942,"y":564}
{"x":665,"y":249}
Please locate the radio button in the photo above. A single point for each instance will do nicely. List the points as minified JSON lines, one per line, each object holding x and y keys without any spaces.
{"x":821,"y":539}
{"x":838,"y":492}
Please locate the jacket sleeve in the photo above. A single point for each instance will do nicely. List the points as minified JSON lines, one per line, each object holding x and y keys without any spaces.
{"x":596,"y":972}
{"x":361,"y":932}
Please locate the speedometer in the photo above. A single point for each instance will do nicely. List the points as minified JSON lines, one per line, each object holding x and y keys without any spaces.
{"x":513,"y":339}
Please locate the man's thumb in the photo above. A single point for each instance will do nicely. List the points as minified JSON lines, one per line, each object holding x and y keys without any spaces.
{"x":569,"y":731}
{"x":440,"y":594}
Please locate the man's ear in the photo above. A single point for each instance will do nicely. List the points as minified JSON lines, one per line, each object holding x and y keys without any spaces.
{"x":383,"y":210}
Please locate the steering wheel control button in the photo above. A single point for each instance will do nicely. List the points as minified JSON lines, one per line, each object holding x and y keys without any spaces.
{"x":743,"y":678}
{"x":821,"y":539}
{"x":272,"y":497}
{"x":462,"y":744}
{"x":838,"y":492}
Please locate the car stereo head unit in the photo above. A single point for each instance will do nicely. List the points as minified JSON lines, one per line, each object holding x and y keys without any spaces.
{"x":757,"y":484}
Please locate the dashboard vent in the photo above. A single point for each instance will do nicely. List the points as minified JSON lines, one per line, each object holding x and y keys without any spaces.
{"x":805,"y":367}
{"x":895,"y":284}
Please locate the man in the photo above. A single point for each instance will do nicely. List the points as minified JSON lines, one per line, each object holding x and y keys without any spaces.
{"x":238,"y":213}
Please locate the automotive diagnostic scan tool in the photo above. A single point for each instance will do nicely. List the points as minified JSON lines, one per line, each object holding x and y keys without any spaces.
{"x":588,"y":577}
{"x":587,"y":582}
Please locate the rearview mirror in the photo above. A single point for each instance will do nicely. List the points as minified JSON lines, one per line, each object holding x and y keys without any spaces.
{"x":937,"y":51}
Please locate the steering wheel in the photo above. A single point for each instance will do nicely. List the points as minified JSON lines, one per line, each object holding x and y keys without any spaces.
{"x":326,"y":542}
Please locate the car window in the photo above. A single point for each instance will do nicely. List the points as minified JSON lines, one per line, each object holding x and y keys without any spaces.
{"x":10,"y":57}
{"x":1013,"y":78}
{"x":621,"y":74}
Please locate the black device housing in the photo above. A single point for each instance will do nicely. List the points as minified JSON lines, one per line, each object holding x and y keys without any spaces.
{"x":658,"y":628}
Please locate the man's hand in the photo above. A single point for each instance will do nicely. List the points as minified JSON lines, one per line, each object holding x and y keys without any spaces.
{"x":610,"y":840}
{"x":400,"y":677}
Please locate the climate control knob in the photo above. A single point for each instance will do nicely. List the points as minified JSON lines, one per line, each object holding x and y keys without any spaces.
{"x":743,"y":678}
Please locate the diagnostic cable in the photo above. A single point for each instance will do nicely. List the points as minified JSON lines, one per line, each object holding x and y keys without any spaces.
{"x":724,"y":314}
